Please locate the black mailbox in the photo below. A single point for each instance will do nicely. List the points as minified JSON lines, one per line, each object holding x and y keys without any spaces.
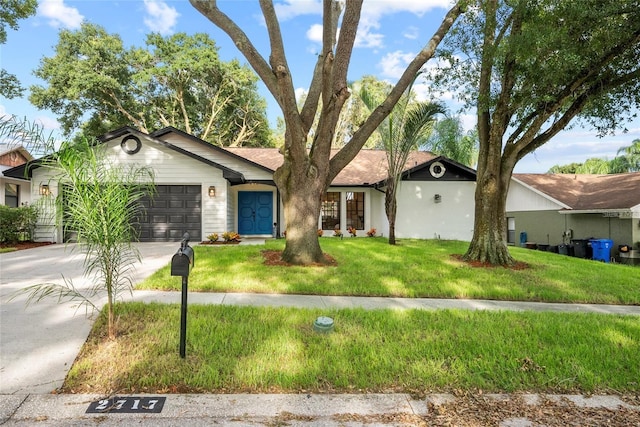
{"x":182,"y":261}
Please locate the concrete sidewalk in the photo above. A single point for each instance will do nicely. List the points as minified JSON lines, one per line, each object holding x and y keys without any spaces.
{"x":389,"y":409}
{"x":373,"y":303}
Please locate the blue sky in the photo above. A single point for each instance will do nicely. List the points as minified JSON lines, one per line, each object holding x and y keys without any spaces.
{"x":390,"y":33}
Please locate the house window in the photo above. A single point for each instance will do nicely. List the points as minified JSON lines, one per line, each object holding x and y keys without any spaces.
{"x":331,"y":211}
{"x":511,"y":231}
{"x":355,"y":210}
{"x":11,"y":195}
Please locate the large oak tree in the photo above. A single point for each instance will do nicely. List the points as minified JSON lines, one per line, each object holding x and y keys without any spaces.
{"x":11,"y":11}
{"x":95,"y":82}
{"x":531,"y":68}
{"x":306,"y":172}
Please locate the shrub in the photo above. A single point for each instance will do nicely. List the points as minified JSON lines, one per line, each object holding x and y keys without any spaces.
{"x":17,"y":223}
{"x":230,"y":236}
{"x":213,"y":237}
{"x":320,"y":233}
{"x":337,"y":233}
{"x":371,"y":232}
{"x":352,"y":231}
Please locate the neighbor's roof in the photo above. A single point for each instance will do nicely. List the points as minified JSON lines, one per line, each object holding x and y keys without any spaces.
{"x":19,"y":149}
{"x":368,"y":167}
{"x":588,"y":192}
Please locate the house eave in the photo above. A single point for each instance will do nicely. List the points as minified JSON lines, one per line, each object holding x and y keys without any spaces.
{"x":167,"y":130}
{"x":611,"y":213}
{"x":541,"y":193}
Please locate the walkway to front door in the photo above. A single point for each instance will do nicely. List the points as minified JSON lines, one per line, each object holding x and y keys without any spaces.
{"x":255,"y":212}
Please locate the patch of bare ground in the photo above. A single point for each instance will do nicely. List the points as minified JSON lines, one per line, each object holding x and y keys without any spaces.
{"x":472,"y":411}
{"x":272,"y":257}
{"x":19,"y":246}
{"x":478,"y":264}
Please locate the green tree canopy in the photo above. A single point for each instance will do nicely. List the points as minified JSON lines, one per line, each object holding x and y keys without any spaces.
{"x":627,"y":160}
{"x":96,"y":84}
{"x":450,"y":140}
{"x":11,"y":11}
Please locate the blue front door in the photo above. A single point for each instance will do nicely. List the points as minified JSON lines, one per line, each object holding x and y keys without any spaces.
{"x":255,"y":212}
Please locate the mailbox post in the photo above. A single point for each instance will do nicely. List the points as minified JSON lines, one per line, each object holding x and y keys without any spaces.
{"x":181,"y":264}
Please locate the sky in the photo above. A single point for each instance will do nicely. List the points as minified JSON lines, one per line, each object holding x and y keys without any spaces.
{"x":391,"y":32}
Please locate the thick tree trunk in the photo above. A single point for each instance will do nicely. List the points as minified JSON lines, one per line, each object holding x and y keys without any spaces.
{"x":301,"y":188}
{"x":489,"y":243}
{"x":301,"y":211}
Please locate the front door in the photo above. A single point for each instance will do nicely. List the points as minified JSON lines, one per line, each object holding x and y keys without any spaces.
{"x":255,"y":212}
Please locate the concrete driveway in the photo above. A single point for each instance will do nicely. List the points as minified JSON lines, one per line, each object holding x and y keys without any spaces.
{"x":39,"y":343}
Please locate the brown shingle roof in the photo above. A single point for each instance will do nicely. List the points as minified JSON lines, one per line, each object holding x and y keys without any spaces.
{"x":368,"y":167}
{"x":588,"y":192}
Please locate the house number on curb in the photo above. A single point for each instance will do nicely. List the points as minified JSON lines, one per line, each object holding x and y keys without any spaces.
{"x":127,"y":405}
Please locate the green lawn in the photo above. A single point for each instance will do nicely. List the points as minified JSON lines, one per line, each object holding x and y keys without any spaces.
{"x":261,"y":349}
{"x":414,"y":268}
{"x":250,"y":349}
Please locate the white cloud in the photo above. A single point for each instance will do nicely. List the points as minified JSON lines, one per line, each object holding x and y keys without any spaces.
{"x":393,"y":64}
{"x":300,"y":93}
{"x":59,"y":14}
{"x":366,"y":37}
{"x":289,"y":9}
{"x":419,"y":7}
{"x":411,"y":33}
{"x":47,"y":122}
{"x":161,"y":17}
{"x":314,"y":33}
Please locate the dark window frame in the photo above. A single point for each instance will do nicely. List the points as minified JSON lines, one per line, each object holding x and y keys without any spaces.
{"x":10,"y":197}
{"x":355,"y":209}
{"x":330,"y":210}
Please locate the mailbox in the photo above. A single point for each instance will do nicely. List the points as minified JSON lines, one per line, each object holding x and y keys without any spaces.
{"x":182,"y":261}
{"x":181,"y":265}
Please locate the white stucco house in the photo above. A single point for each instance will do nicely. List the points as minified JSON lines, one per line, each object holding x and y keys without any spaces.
{"x":202,"y":189}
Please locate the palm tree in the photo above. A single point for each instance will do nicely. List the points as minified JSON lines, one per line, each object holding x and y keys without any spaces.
{"x":631,"y":154}
{"x":449,"y":140}
{"x":406,"y":127}
{"x":100,"y":203}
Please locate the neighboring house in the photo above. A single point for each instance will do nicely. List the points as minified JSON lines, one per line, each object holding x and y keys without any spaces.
{"x":202,"y":189}
{"x":14,"y":191}
{"x":556,"y":208}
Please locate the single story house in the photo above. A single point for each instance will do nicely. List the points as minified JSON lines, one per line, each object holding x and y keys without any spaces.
{"x":14,"y":191}
{"x":202,"y":189}
{"x":557,"y":208}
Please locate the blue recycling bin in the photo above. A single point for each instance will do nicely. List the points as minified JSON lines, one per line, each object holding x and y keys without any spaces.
{"x":601,"y":249}
{"x":523,"y":238}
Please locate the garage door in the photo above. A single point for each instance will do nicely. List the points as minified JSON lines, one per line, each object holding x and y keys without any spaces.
{"x":174,"y":210}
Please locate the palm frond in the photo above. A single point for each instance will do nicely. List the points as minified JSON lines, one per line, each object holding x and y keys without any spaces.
{"x":66,"y":292}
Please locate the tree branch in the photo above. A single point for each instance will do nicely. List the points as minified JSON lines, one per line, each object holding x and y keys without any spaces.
{"x":531,"y":140}
{"x":589,"y":71}
{"x":209,"y":8}
{"x":359,"y":138}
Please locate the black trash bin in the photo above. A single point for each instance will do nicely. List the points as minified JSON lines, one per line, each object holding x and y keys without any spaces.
{"x":582,"y":248}
{"x":565,"y":249}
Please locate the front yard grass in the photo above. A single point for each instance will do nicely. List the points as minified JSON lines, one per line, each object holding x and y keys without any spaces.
{"x":250,"y":349}
{"x":414,"y":268}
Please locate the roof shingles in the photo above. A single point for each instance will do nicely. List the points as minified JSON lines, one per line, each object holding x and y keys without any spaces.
{"x":368,"y":167}
{"x":588,"y":192}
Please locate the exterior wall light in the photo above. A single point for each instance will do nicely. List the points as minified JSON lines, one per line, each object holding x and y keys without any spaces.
{"x":44,"y":190}
{"x":212,"y":191}
{"x":437,"y":198}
